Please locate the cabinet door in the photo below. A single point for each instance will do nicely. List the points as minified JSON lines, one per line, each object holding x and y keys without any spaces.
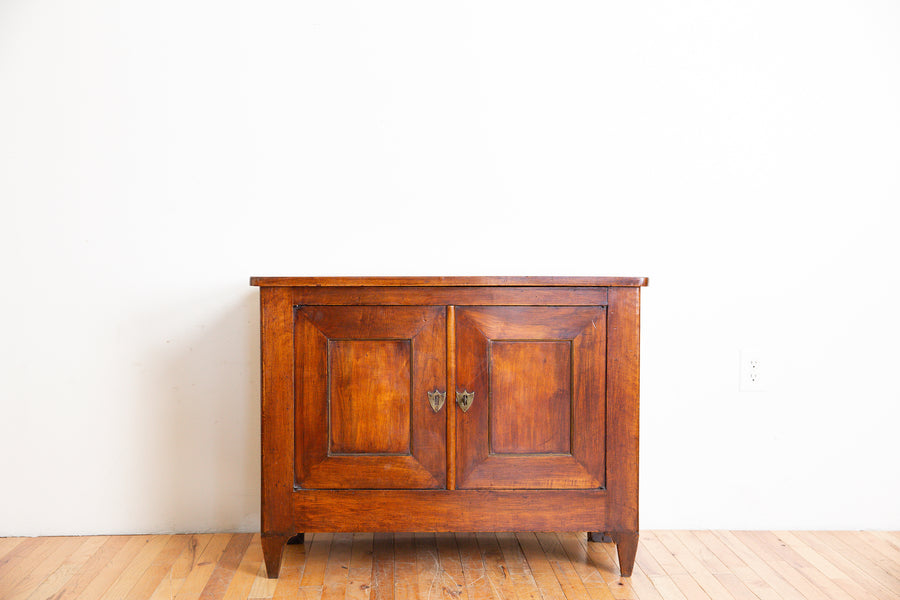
{"x":362,"y":413}
{"x":537,"y":418}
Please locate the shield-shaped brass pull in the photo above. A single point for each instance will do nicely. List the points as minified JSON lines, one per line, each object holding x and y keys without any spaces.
{"x":436,"y":400}
{"x":464,"y":399}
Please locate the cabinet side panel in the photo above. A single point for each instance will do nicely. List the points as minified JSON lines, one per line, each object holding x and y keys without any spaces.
{"x":623,"y":393}
{"x":276,"y":409}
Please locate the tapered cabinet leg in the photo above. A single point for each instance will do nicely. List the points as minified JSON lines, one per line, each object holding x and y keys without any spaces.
{"x":626,"y":547}
{"x":599,"y":536}
{"x":273,"y":548}
{"x":297,"y":539}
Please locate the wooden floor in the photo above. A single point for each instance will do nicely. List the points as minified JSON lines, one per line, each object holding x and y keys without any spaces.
{"x":707,"y":565}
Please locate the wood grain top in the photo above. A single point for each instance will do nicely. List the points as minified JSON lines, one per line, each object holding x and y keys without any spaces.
{"x":447,"y":281}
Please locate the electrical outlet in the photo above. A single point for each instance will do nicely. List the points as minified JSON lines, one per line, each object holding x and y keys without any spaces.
{"x":751,"y":371}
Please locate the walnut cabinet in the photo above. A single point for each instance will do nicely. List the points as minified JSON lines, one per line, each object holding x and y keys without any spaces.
{"x":450,"y":404}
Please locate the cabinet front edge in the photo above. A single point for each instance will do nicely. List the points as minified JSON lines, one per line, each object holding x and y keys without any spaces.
{"x":449,"y":281}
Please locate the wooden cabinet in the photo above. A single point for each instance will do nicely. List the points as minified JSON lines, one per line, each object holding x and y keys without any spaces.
{"x":449,"y":404}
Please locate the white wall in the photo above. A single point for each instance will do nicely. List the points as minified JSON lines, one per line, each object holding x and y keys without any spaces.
{"x":154,"y":155}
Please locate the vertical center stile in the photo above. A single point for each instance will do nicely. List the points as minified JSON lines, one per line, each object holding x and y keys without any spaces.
{"x":451,"y":393}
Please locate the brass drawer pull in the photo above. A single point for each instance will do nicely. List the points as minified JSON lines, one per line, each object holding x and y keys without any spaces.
{"x":436,"y":400}
{"x":464,"y":399}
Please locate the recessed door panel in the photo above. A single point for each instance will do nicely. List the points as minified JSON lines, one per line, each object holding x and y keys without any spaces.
{"x":369,"y":396}
{"x":363,"y":419}
{"x":531,"y":397}
{"x":538,"y":378}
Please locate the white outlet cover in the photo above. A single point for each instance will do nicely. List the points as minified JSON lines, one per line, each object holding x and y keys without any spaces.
{"x":752,"y":371}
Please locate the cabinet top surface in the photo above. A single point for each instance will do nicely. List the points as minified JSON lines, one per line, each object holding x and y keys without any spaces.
{"x":447,"y":281}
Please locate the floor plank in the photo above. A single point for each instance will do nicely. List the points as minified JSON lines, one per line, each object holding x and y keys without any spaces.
{"x":338,"y":568}
{"x":160,"y":567}
{"x":206,"y":564}
{"x":453,"y":584}
{"x":541,"y":569}
{"x":133,"y":571}
{"x":674,"y":569}
{"x":768,"y":555}
{"x":110,"y":572}
{"x":247,"y":570}
{"x":892,"y":539}
{"x":495,"y":569}
{"x":293,"y":563}
{"x":184,"y":564}
{"x":607,"y":565}
{"x":38,"y":572}
{"x":90,"y":570}
{"x":888,"y":551}
{"x":865,"y":557}
{"x":359,"y":575}
{"x":641,"y":585}
{"x":571,"y":584}
{"x":383,"y":567}
{"x":715,"y":567}
{"x":428,"y":566}
{"x":519,"y":571}
{"x":672,"y":542}
{"x":477,"y":584}
{"x":7,"y":545}
{"x":227,"y":567}
{"x":790,"y":564}
{"x":406,"y":581}
{"x":23,"y":559}
{"x":869,"y":577}
{"x":737,"y":567}
{"x":761,"y":566}
{"x":590,"y":570}
{"x":824,"y":566}
{"x":313,"y":581}
{"x":53,"y":583}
